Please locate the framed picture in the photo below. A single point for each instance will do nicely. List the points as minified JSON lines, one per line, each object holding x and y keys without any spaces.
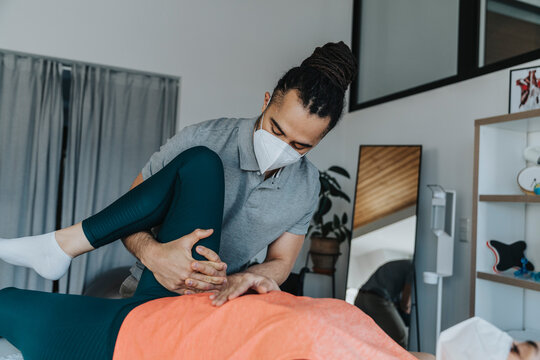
{"x":524,"y":89}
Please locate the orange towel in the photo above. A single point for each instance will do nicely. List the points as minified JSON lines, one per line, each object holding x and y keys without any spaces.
{"x":276,"y":325}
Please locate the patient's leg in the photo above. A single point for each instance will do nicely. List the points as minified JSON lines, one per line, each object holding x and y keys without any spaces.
{"x":60,"y":326}
{"x":141,"y":208}
{"x":193,"y":181}
{"x":46,"y":326}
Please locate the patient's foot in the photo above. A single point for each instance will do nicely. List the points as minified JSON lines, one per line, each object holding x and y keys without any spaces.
{"x":40,"y":252}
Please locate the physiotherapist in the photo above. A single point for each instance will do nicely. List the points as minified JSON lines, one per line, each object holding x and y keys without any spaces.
{"x":271,"y":188}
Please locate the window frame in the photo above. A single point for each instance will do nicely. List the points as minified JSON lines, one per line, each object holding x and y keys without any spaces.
{"x":467,"y":55}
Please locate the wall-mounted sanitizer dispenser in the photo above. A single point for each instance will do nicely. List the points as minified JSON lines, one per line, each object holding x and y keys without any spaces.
{"x":443,"y":219}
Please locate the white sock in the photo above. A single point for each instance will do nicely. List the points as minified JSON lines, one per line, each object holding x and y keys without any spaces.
{"x":40,"y":252}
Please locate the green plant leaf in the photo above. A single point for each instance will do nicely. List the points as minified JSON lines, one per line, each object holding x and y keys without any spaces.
{"x":341,"y":194}
{"x":325,"y":204}
{"x":344,"y":218}
{"x":317,"y":218}
{"x":333,"y":181}
{"x":325,"y":184}
{"x":326,"y":228}
{"x":336,"y":221}
{"x":339,"y":170}
{"x":334,"y":191}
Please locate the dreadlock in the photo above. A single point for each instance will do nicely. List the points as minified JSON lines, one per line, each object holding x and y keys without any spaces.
{"x":321,"y":81}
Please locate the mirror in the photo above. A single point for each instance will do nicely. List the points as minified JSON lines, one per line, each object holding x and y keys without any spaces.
{"x":380,"y":278}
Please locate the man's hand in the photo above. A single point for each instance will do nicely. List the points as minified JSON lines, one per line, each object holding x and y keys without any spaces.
{"x":240,"y":283}
{"x":202,"y":279}
{"x":172,"y":264}
{"x":169,"y":263}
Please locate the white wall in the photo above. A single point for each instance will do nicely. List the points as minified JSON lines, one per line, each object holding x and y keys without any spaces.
{"x":228,"y":53}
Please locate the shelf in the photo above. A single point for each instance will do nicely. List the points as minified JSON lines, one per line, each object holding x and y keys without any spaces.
{"x":509,"y":280}
{"x":511,"y":198}
{"x":502,"y":211}
{"x":510,"y":119}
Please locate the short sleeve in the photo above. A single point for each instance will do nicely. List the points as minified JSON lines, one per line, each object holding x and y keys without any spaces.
{"x":182,"y":140}
{"x":301,"y":227}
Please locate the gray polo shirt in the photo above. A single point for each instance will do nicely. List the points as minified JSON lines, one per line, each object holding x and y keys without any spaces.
{"x":256,"y":211}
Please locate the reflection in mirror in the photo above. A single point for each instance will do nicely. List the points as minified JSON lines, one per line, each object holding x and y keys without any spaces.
{"x":510,"y":28}
{"x":380,"y":272}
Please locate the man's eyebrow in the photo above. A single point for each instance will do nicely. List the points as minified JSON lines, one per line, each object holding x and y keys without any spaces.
{"x":281,"y":131}
{"x":277,"y":125}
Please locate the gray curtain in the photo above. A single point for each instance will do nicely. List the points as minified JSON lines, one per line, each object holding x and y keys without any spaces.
{"x":117,"y":120}
{"x":31,"y":120}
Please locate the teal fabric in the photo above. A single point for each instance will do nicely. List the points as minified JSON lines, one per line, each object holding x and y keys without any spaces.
{"x":186,"y":194}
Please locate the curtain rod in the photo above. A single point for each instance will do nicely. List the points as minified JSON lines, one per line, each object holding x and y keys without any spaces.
{"x":66,"y":64}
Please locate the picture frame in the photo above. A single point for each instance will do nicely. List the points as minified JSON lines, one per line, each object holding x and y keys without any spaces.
{"x":524,"y":89}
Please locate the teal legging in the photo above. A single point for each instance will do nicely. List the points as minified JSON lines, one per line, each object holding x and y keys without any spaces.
{"x":186,"y":194}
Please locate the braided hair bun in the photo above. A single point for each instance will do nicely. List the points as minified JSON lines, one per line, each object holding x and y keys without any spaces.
{"x":321,"y":81}
{"x":336,"y":62}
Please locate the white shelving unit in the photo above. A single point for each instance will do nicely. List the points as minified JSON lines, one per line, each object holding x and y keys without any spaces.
{"x":501,"y":211}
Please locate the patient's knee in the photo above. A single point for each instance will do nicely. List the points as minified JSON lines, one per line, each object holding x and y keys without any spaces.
{"x":8,"y":290}
{"x":205,"y":155}
{"x":201,"y":159}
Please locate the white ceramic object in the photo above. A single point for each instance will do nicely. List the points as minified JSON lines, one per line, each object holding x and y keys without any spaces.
{"x":532,"y":154}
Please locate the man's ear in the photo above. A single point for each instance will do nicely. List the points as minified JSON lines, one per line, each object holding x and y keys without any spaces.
{"x":266,"y":100}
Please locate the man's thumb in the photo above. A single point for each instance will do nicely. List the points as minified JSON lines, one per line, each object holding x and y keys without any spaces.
{"x":198,"y":234}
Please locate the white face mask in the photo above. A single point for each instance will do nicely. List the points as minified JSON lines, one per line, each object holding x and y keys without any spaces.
{"x":272,"y":152}
{"x":473,"y":339}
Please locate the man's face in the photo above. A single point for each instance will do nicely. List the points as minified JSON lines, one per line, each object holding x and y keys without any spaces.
{"x":527,"y":350}
{"x":287,"y":119}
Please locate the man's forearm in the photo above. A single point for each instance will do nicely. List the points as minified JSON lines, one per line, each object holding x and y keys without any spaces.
{"x":276,"y":269}
{"x":140,"y":244}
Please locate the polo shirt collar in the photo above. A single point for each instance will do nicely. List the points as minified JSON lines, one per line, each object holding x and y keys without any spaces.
{"x":248,"y":161}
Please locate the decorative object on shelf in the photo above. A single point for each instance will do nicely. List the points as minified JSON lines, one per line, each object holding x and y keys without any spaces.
{"x":326,"y":237}
{"x":509,"y":255}
{"x":528,"y":179}
{"x":524,"y":89}
{"x":532,"y":154}
{"x":524,"y":272}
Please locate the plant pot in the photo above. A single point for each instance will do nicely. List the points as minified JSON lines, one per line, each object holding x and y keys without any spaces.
{"x":324,"y":254}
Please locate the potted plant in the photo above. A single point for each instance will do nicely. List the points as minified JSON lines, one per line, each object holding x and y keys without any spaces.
{"x":326,"y":237}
